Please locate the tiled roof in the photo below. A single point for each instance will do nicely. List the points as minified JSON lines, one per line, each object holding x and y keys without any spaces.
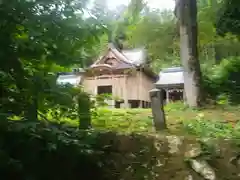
{"x":123,"y":66}
{"x":171,"y":76}
{"x":136,"y":56}
{"x":69,"y":79}
{"x":131,"y":58}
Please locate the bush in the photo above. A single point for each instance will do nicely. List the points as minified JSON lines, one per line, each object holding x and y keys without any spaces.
{"x":205,"y":128}
{"x":40,"y":151}
{"x":37,"y":151}
{"x":122,"y":120}
{"x":222,"y":81}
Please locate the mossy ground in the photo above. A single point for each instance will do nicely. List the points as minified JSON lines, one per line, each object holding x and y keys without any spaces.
{"x":220,"y":121}
{"x":129,"y":146}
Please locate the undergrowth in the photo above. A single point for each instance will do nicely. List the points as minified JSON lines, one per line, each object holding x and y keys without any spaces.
{"x":60,"y":150}
{"x":213,"y":122}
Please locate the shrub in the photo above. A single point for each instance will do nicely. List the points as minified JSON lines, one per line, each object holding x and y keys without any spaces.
{"x":223,"y":81}
{"x":39,"y":151}
{"x":122,"y":120}
{"x":36,"y":151}
{"x":205,"y":128}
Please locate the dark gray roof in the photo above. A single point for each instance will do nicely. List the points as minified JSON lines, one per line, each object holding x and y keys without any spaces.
{"x":170,"y":77}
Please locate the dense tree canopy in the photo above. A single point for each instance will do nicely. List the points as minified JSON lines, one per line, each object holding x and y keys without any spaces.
{"x":158,"y":32}
{"x":229,"y":17}
{"x":36,"y":37}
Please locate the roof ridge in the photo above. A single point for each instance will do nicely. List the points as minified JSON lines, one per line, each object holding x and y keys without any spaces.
{"x":117,"y":53}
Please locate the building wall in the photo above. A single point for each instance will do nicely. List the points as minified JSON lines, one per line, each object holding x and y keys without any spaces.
{"x":148,"y":84}
{"x":138,"y":86}
{"x":116,"y":81}
{"x":131,"y":87}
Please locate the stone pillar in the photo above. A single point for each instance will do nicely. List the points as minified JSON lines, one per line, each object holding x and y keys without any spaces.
{"x":157,"y":109}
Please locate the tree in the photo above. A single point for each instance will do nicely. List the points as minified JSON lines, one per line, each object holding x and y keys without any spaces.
{"x":157,"y":32}
{"x":35,"y":36}
{"x":130,"y":17}
{"x":229,"y":18}
{"x":212,"y":47}
{"x":110,"y":19}
{"x":186,"y":11}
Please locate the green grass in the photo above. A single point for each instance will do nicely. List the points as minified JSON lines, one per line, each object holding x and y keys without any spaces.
{"x":123,"y":120}
{"x":208,"y":122}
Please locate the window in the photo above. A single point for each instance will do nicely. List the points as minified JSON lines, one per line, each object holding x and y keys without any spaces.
{"x":104,"y":89}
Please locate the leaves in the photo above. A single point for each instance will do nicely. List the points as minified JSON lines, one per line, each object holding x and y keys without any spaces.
{"x":39,"y":37}
{"x":228,"y":19}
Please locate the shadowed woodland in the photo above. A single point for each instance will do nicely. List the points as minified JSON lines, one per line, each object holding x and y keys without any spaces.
{"x":51,"y":131}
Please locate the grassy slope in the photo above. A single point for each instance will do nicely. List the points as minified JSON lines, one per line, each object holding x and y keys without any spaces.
{"x":212,"y":121}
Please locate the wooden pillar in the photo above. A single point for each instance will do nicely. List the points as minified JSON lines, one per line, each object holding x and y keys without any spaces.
{"x":167,"y":96}
{"x":159,"y":120}
{"x":95,"y":86}
{"x":125,"y":92}
{"x":146,"y":105}
{"x":140,"y":86}
{"x":113,"y":102}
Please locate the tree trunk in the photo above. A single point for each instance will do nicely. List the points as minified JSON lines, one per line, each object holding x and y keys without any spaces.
{"x":186,"y":11}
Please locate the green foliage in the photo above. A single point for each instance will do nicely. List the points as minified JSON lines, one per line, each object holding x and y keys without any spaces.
{"x":66,"y":102}
{"x":157,"y":32}
{"x":121,"y":120}
{"x":40,"y":38}
{"x":84,"y":112}
{"x":212,"y":128}
{"x":176,"y":106}
{"x":102,"y":98}
{"x":181,"y":120}
{"x":39,"y":151}
{"x":222,"y":80}
{"x":229,"y":17}
{"x":45,"y":151}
